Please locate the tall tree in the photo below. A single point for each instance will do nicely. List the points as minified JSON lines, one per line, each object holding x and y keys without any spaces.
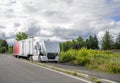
{"x":107,"y":41}
{"x":95,"y":42}
{"x":75,"y":44}
{"x":81,"y":42}
{"x":117,"y":43}
{"x":66,"y":45}
{"x":21,"y":36}
{"x":90,"y":42}
{"x":3,"y":46}
{"x":87,"y":43}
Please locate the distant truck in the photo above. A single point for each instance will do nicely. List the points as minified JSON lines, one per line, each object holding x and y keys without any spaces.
{"x":35,"y":49}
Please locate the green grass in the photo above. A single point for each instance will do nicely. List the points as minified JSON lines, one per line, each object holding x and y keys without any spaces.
{"x":94,"y":59}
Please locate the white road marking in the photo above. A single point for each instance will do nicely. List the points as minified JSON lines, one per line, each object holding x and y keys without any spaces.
{"x":85,"y":75}
{"x":108,"y":81}
{"x":62,"y":73}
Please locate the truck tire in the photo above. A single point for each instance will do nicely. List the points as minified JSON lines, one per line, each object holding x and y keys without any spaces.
{"x":30,"y":58}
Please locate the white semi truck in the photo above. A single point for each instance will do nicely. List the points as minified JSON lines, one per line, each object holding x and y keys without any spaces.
{"x":35,"y":49}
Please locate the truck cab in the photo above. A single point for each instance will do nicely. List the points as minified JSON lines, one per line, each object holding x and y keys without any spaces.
{"x":48,"y":51}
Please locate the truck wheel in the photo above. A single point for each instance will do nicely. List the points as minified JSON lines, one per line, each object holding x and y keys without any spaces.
{"x":57,"y":61}
{"x":30,"y":58}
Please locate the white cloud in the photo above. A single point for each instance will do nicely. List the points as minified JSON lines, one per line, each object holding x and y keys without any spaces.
{"x":59,"y":19}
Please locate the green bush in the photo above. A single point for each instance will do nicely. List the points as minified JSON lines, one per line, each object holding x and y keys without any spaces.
{"x":67,"y":56}
{"x":3,"y":50}
{"x":83,"y":52}
{"x":83,"y":61}
{"x":10,"y":49}
{"x":93,"y":59}
{"x":82,"y":57}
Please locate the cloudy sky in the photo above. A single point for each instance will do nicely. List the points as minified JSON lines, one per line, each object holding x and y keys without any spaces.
{"x":59,"y":19}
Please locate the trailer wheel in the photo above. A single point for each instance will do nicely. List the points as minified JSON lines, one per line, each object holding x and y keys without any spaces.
{"x":17,"y":56}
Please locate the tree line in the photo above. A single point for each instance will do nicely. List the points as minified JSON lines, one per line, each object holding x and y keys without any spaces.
{"x":3,"y":46}
{"x":107,"y":43}
{"x":92,"y":42}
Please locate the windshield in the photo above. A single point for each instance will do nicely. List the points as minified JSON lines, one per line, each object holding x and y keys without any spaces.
{"x":52,"y":47}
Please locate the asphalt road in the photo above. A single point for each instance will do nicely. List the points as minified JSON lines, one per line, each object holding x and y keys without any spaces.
{"x":14,"y":70}
{"x":83,"y":70}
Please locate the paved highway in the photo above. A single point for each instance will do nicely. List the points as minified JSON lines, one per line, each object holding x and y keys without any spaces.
{"x":14,"y":70}
{"x":83,"y":70}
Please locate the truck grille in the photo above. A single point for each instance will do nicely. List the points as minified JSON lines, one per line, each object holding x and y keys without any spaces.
{"x":52,"y":55}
